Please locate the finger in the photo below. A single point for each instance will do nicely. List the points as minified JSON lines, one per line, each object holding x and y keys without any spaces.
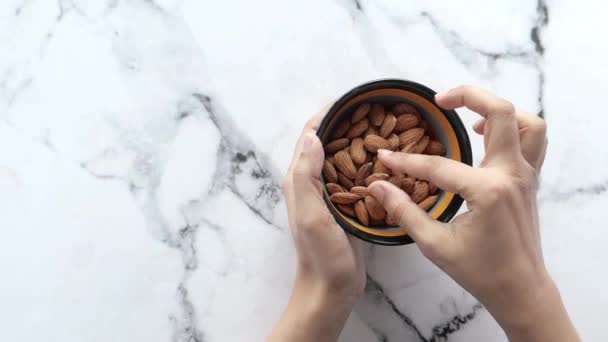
{"x":311,"y":126}
{"x":532,"y":134}
{"x":501,"y":137}
{"x":479,"y":125}
{"x":446,"y":173}
{"x":307,"y":188}
{"x":420,"y":226}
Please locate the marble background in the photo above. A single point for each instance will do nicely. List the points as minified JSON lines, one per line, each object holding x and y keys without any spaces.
{"x":143,"y":143}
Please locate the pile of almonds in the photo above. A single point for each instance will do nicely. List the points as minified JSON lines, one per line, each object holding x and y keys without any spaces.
{"x":351,"y":163}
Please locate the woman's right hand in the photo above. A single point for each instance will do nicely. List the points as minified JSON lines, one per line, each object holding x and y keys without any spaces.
{"x":494,"y":249}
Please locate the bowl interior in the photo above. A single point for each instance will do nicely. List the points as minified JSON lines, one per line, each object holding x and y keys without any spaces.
{"x":444,"y":126}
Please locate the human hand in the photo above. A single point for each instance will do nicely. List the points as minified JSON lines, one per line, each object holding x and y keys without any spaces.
{"x":331,"y":267}
{"x":494,"y":249}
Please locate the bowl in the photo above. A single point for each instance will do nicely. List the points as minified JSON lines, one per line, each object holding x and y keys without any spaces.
{"x":445,"y":125}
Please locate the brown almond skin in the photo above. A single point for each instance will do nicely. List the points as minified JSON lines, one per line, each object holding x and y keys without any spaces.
{"x":409,"y":148}
{"x":364,"y":171}
{"x":393,"y":140}
{"x":357,"y":129}
{"x":401,"y":108}
{"x":344,"y":198}
{"x":428,"y":202}
{"x":370,"y":131}
{"x":380,"y":168}
{"x":331,"y":160}
{"x":411,"y":135}
{"x":336,"y":145}
{"x":340,"y":130}
{"x":360,"y":190}
{"x":357,"y":151}
{"x":396,"y":180}
{"x":375,"y":142}
{"x":376,"y":114}
{"x":405,"y":122}
{"x":421,"y":191}
{"x":332,"y":188}
{"x":376,"y":177}
{"x":407,"y":185}
{"x":390,"y":221}
{"x":435,"y":148}
{"x":424,"y":125}
{"x":432,"y":188}
{"x":360,"y":112}
{"x":374,"y":208}
{"x":329,"y":171}
{"x":387,"y":125}
{"x":361,"y":213}
{"x":344,"y":181}
{"x":421,"y":145}
{"x":346,"y":209}
{"x":345,"y":165}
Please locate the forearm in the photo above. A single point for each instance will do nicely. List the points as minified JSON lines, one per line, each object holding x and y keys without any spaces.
{"x":312,"y":314}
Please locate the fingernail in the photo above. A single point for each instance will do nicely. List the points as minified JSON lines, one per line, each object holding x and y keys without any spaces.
{"x":438,"y":96}
{"x":384,"y":153}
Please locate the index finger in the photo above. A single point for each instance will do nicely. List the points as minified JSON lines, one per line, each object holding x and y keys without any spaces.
{"x":502,"y":136}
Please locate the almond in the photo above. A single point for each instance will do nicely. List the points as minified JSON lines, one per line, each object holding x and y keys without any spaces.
{"x":345,"y":165}
{"x":401,"y":108}
{"x":432,"y":188}
{"x":357,"y":129}
{"x":374,"y":208}
{"x":396,"y":180}
{"x":329,"y":171}
{"x":407,"y":185}
{"x":435,"y":148}
{"x":364,"y":171}
{"x":375,"y":142}
{"x":424,"y":125}
{"x":368,"y":158}
{"x":421,"y":145}
{"x":332,"y":188}
{"x":344,"y":198}
{"x":376,"y":115}
{"x":374,"y":223}
{"x":387,"y":125}
{"x":361,"y":213}
{"x":357,"y":151}
{"x":380,"y":168}
{"x":346,"y":209}
{"x":421,"y":191}
{"x":336,"y":145}
{"x":371,"y":131}
{"x":411,"y":135}
{"x":360,"y":190}
{"x":405,"y":122}
{"x":331,"y":160}
{"x":344,"y":181}
{"x":390,"y":221}
{"x":376,"y":177}
{"x":393,"y":140}
{"x":428,"y":202}
{"x":360,"y":112}
{"x":340,"y":130}
{"x":409,"y":147}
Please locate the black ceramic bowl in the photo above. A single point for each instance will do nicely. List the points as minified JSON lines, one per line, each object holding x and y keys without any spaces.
{"x":446,"y":126}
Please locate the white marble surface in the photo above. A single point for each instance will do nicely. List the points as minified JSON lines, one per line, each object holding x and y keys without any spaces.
{"x":142,"y":144}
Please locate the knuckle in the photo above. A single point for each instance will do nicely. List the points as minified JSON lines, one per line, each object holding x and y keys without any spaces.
{"x":538,"y":126}
{"x":497,"y":190}
{"x":504,"y":107}
{"x":430,"y":164}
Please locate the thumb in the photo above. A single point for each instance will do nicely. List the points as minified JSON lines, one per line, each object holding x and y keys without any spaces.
{"x":428,"y":233}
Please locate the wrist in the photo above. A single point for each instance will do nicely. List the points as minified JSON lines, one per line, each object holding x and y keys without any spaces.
{"x":538,"y":316}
